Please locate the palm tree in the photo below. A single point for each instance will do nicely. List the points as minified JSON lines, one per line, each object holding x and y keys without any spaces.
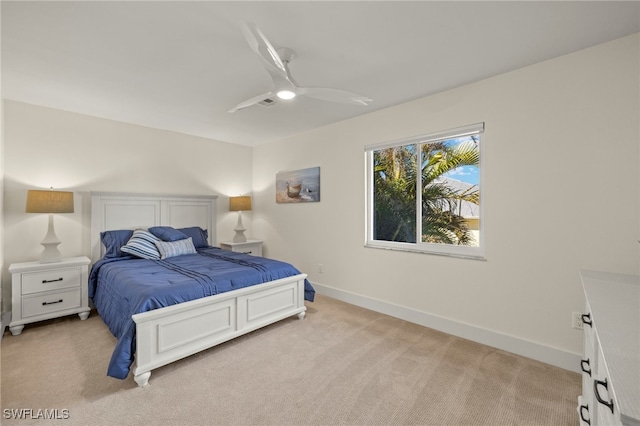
{"x":395,"y":192}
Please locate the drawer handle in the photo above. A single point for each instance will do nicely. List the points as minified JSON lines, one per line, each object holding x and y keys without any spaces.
{"x":600,"y":400}
{"x":247,"y":252}
{"x":582,"y":407}
{"x":51,"y":303}
{"x":582,"y":364}
{"x":51,"y":281}
{"x":586,"y":319}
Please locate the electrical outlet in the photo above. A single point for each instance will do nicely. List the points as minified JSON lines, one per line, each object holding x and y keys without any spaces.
{"x":577,"y":321}
{"x":320,"y":268}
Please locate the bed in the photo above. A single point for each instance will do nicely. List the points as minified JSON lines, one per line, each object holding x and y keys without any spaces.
{"x":163,"y":310}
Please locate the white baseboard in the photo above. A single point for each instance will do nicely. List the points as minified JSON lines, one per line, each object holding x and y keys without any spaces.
{"x":549,"y":355}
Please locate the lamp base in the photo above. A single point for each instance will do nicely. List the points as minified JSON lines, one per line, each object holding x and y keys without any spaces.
{"x":50,"y":254}
{"x":239,"y":237}
{"x":50,"y":243}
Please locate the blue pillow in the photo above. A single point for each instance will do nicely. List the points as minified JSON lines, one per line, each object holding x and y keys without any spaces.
{"x":167,"y":233}
{"x":198,"y":235}
{"x":142,"y":244}
{"x":113,"y":240}
{"x":175,"y":248}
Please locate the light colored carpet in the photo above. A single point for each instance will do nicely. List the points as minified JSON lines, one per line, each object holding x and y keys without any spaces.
{"x":341,"y":365}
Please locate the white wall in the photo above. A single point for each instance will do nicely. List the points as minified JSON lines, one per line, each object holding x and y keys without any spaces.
{"x":47,"y":147}
{"x":561,"y":192}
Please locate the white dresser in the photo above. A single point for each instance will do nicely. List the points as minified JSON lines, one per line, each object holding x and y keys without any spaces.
{"x":43,"y":291}
{"x":611,"y":361}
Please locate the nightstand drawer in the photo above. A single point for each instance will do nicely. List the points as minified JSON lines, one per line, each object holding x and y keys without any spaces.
{"x":54,"y":279}
{"x":50,"y":302}
{"x":254,"y":250}
{"x":252,"y":247}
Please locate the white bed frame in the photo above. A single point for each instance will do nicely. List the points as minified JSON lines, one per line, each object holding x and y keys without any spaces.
{"x":168,"y":334}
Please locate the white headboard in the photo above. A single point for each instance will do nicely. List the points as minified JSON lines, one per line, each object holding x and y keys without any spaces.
{"x":111,"y":211}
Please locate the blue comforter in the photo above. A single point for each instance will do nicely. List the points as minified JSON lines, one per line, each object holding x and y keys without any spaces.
{"x":124,"y":286}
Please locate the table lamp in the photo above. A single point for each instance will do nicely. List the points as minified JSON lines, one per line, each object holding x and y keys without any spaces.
{"x":50,"y":202}
{"x":239,"y":204}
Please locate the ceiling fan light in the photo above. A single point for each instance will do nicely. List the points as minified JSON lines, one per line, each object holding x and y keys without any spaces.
{"x":286,"y":94}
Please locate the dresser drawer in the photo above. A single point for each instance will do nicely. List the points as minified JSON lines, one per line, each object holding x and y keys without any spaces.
{"x":607,"y":411}
{"x":50,"y":302}
{"x":53,"y":279}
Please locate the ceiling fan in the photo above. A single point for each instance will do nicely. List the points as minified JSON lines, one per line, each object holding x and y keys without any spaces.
{"x":284,"y":86}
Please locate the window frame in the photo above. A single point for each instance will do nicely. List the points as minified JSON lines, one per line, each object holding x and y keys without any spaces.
{"x":471,"y":252}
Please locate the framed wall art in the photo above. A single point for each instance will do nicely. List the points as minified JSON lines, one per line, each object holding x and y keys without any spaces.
{"x":298,"y":186}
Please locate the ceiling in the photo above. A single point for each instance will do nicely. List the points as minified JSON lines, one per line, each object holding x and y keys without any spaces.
{"x":181,"y":66}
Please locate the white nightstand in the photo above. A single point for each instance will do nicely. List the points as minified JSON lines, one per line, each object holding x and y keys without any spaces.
{"x":252,"y":247}
{"x":43,"y":291}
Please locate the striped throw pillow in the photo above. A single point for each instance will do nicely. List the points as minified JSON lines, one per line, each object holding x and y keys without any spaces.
{"x":175,"y":248}
{"x":142,"y":244}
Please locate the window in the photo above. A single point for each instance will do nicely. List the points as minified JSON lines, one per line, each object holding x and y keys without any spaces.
{"x":423,"y":193}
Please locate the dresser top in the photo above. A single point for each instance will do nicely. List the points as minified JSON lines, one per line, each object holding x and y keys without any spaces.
{"x":614,"y":300}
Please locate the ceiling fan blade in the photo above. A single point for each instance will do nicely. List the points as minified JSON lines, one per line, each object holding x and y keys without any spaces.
{"x":251,"y":102}
{"x":259,"y":44}
{"x":335,"y":95}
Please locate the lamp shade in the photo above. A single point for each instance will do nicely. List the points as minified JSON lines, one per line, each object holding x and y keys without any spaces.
{"x":242,"y":203}
{"x":49,"y":201}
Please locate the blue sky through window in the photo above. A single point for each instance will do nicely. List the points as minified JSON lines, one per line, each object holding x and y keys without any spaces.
{"x":468,"y":174}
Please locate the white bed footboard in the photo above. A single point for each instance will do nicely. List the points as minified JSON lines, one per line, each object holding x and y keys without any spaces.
{"x":172,"y":333}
